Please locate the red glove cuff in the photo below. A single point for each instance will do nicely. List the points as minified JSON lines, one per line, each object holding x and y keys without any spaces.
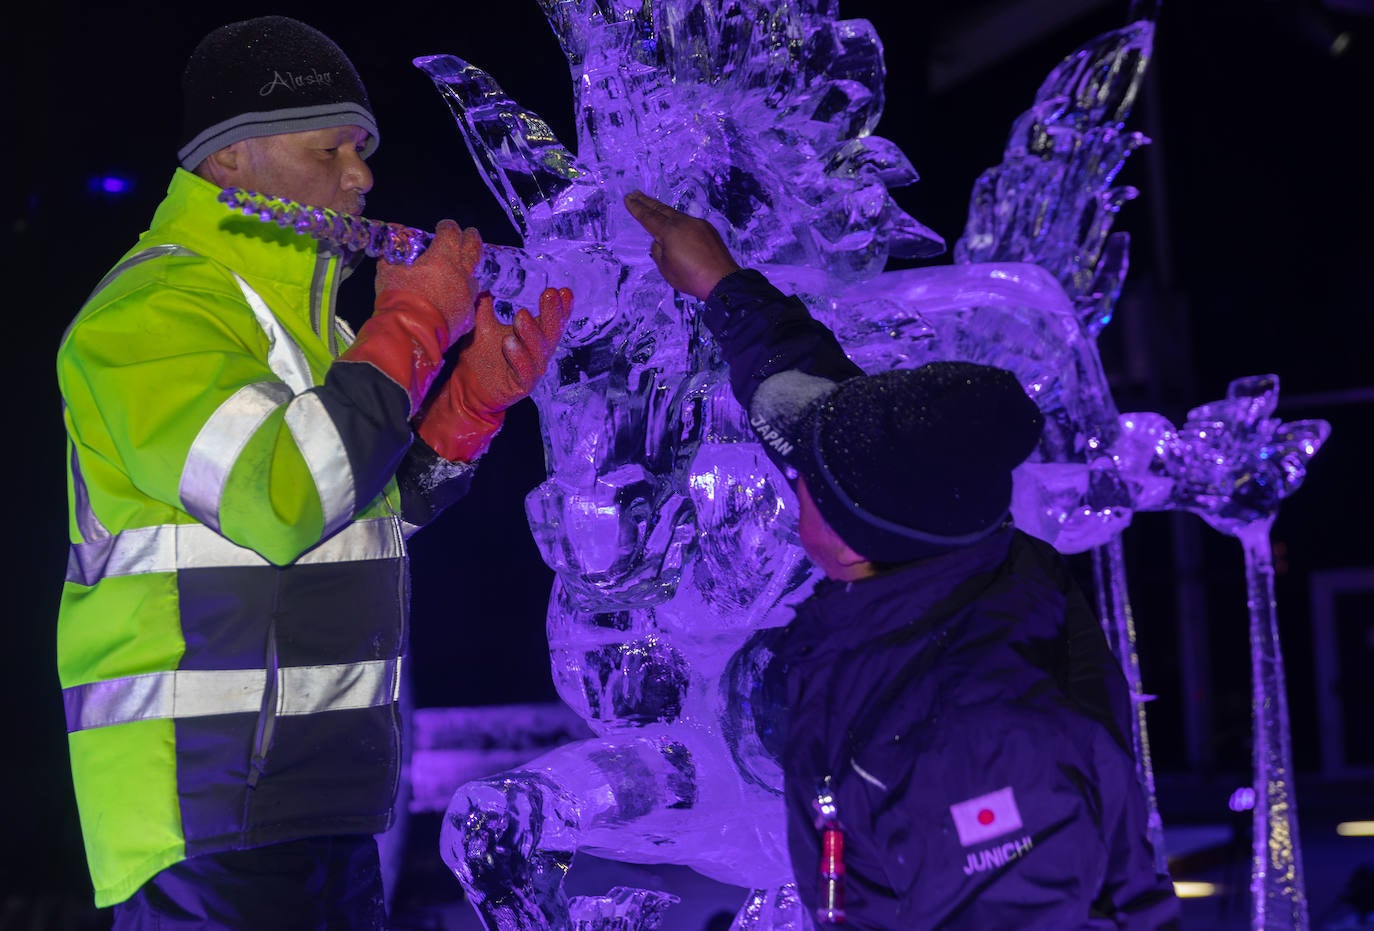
{"x":405,"y":338}
{"x":453,"y":430}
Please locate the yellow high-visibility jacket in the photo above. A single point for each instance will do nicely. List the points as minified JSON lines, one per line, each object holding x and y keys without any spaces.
{"x":235,"y":609}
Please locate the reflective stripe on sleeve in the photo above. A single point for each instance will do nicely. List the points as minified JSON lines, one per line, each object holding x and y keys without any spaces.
{"x":191,"y":693}
{"x":218,"y":444}
{"x":284,"y":357}
{"x":318,"y":439}
{"x":174,"y":547}
{"x":225,"y":434}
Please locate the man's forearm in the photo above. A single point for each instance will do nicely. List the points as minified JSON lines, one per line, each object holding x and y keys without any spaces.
{"x":762,"y":332}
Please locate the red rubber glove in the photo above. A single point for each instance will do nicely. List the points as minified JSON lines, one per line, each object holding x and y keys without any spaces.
{"x":421,"y":310}
{"x":497,"y":365}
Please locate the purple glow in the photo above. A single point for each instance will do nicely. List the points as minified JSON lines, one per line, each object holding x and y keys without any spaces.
{"x":1243,"y":799}
{"x":672,"y":537}
{"x":111,"y":184}
{"x":671,"y":534}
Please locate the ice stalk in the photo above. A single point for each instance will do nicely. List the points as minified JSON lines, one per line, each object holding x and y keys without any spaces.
{"x":1278,"y":901}
{"x":1118,"y":622}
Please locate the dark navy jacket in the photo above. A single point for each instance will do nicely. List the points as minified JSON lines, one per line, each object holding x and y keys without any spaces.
{"x":966,"y":709}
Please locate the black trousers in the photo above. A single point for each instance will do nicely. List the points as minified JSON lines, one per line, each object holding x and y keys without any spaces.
{"x":318,"y":883}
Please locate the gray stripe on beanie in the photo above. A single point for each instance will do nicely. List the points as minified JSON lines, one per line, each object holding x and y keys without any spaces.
{"x":293,"y":120}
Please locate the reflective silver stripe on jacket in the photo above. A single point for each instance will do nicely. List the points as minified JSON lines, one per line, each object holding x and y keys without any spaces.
{"x":284,"y":357}
{"x":313,"y":429}
{"x":173,"y":547}
{"x":223,"y":437}
{"x":319,"y":441}
{"x":192,"y":693}
{"x":218,"y":444}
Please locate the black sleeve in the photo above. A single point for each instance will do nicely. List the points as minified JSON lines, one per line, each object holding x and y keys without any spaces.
{"x":762,"y":332}
{"x":430,"y":483}
{"x":371,"y":413}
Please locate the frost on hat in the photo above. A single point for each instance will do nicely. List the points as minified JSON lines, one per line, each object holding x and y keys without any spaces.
{"x":264,"y":76}
{"x":912,"y":461}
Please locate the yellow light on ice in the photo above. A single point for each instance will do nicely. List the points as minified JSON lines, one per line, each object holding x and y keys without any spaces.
{"x":1194,"y":890}
{"x":1355,"y":829}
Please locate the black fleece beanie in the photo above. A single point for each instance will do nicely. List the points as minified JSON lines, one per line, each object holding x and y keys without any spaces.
{"x":264,"y":76}
{"x":910,"y":462}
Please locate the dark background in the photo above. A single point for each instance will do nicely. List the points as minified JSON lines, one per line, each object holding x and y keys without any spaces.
{"x":1251,"y":253}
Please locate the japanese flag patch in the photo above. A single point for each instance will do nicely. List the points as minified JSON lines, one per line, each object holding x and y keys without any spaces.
{"x":981,"y":819}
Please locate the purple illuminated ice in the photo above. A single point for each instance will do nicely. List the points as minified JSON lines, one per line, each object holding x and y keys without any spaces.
{"x":671,"y":535}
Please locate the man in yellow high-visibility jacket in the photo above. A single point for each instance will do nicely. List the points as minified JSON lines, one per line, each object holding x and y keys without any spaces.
{"x":243,"y":478}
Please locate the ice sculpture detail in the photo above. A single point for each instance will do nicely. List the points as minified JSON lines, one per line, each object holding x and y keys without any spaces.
{"x":1051,"y":201}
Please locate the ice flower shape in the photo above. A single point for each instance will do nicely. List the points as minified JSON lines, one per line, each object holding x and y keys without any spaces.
{"x":1231,"y":462}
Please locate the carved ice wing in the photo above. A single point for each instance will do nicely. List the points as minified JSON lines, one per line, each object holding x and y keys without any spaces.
{"x":1052,"y":200}
{"x":547,"y":193}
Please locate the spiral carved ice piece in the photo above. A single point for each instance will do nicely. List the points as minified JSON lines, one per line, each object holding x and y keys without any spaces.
{"x":1232,"y":463}
{"x":514,"y":277}
{"x":390,"y":242}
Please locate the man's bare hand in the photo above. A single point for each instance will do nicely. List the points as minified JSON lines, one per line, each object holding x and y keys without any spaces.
{"x":687,"y":250}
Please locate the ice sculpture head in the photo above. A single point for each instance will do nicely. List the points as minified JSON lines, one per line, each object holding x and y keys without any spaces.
{"x":756,"y":115}
{"x":908,"y":462}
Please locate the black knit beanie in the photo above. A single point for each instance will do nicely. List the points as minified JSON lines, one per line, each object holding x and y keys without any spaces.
{"x":264,"y":76}
{"x":911,"y":462}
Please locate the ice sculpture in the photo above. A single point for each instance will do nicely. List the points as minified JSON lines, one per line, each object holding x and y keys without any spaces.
{"x":1232,"y":463}
{"x":671,"y":535}
{"x":668,"y":529}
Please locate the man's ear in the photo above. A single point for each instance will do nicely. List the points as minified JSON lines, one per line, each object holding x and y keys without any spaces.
{"x":222,"y":165}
